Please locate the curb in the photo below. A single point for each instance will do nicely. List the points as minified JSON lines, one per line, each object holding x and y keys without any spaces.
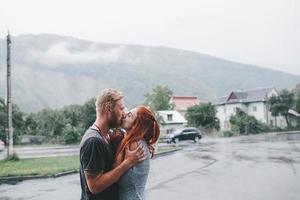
{"x":166,"y":153}
{"x":15,"y":179}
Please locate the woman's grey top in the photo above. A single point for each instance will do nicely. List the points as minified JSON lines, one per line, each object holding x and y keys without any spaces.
{"x":132,"y":183}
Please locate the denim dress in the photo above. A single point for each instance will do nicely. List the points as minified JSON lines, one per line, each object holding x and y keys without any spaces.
{"x":132,"y":183}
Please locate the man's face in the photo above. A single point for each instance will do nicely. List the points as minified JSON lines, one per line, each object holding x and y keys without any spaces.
{"x":117,"y":114}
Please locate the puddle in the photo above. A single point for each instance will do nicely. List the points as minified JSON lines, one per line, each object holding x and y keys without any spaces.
{"x":281,"y":159}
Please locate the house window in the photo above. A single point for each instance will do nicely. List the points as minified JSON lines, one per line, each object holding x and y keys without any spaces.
{"x":170,"y":117}
{"x":170,"y":130}
{"x":254,"y":108}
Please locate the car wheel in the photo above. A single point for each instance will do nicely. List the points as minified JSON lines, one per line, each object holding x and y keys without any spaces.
{"x":196,"y":139}
{"x":176,"y":140}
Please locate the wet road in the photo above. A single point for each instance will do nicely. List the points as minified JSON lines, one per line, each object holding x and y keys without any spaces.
{"x":245,"y":168}
{"x":38,"y":152}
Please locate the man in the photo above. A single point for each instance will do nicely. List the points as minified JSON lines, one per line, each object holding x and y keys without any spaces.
{"x":96,"y":154}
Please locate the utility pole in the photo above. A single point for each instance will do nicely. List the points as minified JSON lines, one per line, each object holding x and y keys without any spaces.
{"x":9,"y":103}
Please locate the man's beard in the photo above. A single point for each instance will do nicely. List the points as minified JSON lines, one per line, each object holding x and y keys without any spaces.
{"x":114,"y":122}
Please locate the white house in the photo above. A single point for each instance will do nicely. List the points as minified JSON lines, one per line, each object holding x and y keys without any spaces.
{"x":170,"y":120}
{"x":253,"y":102}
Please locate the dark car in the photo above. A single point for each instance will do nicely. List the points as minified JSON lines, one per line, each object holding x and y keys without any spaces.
{"x":184,"y":134}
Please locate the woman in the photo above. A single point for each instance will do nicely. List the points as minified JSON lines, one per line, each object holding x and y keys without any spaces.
{"x":141,"y":129}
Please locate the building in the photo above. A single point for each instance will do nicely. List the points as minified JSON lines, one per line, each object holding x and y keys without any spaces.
{"x":182,"y":103}
{"x":294,"y":117}
{"x":253,"y":102}
{"x":170,"y":120}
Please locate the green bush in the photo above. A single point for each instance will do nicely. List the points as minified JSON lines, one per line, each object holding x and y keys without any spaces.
{"x":70,"y":134}
{"x":246,"y":124}
{"x":227,"y":133}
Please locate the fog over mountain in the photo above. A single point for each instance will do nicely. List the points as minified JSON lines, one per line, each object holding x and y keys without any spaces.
{"x":54,"y":71}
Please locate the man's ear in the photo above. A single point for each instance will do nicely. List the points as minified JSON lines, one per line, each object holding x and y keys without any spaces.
{"x":108,"y":107}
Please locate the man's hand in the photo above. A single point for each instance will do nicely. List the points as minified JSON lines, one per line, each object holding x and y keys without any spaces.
{"x":132,"y":157}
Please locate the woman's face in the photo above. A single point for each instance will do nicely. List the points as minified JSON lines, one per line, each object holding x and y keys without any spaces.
{"x":130,"y":117}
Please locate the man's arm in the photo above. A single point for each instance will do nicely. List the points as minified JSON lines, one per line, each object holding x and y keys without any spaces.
{"x":99,"y":182}
{"x":118,"y":160}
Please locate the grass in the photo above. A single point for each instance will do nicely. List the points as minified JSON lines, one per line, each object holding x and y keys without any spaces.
{"x":38,"y":166}
{"x":47,"y":165}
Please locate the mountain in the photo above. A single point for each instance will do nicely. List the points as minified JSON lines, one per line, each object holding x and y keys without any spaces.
{"x":53,"y":71}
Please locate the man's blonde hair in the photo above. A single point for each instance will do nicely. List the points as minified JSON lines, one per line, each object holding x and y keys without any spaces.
{"x":107,"y":96}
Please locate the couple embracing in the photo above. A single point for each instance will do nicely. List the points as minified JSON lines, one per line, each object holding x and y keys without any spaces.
{"x":115,"y":166}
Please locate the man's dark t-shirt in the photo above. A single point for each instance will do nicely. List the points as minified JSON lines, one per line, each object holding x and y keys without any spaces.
{"x":96,"y":155}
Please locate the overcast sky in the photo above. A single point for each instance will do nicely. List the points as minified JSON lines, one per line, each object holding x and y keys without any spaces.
{"x":260,"y":32}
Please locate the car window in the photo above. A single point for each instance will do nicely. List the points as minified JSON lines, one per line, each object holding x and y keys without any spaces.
{"x":178,"y":131}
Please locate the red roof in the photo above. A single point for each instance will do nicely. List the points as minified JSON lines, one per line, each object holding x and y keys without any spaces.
{"x":182,"y":103}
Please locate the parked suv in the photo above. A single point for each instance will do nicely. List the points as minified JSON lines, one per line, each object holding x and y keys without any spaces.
{"x":190,"y":133}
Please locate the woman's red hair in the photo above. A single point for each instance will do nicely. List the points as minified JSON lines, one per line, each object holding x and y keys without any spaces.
{"x":144,"y":127}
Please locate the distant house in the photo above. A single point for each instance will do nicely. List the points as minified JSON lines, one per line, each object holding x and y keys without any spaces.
{"x":253,"y":102}
{"x":182,"y":103}
{"x":294,"y":117}
{"x":170,"y":120}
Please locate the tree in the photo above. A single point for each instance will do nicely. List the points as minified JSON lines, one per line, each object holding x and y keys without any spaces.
{"x":297,"y":103}
{"x":203,"y":115}
{"x":70,"y":134}
{"x":50,"y":124}
{"x":53,"y":124}
{"x":296,"y":92}
{"x":296,"y":107}
{"x":18,"y":121}
{"x":73,"y":114}
{"x":159,"y":99}
{"x":2,"y":120}
{"x":18,"y":117}
{"x":60,"y":126}
{"x":280,"y":105}
{"x":31,"y":124}
{"x":88,"y":111}
{"x":274,"y":107}
{"x":243,"y":123}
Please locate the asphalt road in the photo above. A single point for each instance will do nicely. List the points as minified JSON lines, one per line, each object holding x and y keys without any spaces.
{"x":38,"y":152}
{"x":244,"y":168}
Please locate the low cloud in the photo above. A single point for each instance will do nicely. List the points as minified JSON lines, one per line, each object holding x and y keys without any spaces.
{"x":61,"y":53}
